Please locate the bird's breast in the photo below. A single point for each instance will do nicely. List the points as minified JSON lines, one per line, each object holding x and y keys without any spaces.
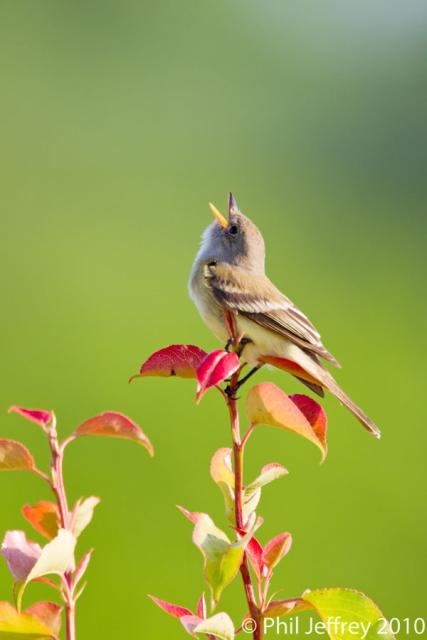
{"x":210,"y":311}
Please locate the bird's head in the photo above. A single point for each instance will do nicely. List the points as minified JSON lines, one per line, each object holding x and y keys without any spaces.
{"x":235,"y":240}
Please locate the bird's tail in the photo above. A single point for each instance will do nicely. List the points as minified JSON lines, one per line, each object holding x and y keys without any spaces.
{"x":331,"y":385}
{"x":312,"y":373}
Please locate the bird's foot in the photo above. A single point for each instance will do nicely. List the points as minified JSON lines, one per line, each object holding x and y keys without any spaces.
{"x":230,"y":393}
{"x":240,"y":342}
{"x":229,"y":344}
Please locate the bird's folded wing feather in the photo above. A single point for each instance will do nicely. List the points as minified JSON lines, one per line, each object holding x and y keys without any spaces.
{"x":255,"y":297}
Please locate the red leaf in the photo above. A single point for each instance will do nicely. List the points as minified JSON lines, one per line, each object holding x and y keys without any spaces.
{"x":192,"y":516}
{"x":276,"y":549}
{"x":173,"y":610}
{"x":216,"y":367}
{"x":315,"y":414}
{"x":81,"y":567}
{"x":254,"y":551}
{"x":179,"y":360}
{"x":114,"y":425}
{"x":201,"y":607}
{"x":15,"y":457}
{"x":43,"y":516}
{"x":39,"y":416}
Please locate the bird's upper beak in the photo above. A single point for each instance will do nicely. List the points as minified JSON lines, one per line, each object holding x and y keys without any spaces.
{"x":218,"y":216}
{"x":232,"y":207}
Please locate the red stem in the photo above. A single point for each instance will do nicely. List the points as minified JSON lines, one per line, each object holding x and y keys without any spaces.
{"x":64,"y":514}
{"x":238,"y":449}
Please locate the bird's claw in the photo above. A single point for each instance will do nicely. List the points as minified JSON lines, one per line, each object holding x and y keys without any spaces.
{"x":229,"y":344}
{"x":240,"y":344}
{"x":230,"y":393}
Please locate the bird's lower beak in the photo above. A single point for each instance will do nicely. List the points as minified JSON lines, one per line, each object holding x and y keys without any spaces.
{"x":218,"y":216}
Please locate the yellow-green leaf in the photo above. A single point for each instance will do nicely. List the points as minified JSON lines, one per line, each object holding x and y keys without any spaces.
{"x":16,"y":625}
{"x":220,"y":625}
{"x":349,"y":615}
{"x":82,"y":514}
{"x":222,"y":558}
{"x":222,"y":474}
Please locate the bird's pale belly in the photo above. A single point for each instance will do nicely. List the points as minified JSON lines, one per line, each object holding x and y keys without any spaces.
{"x":263,"y":342}
{"x":267,"y":343}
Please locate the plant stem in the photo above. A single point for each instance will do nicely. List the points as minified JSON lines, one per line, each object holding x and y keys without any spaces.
{"x":64,"y":514}
{"x":238,"y":449}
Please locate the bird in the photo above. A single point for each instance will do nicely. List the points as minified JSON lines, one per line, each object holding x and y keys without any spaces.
{"x":228,"y":280}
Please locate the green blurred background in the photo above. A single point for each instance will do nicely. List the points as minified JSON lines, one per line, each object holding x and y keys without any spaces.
{"x":120,"y":121}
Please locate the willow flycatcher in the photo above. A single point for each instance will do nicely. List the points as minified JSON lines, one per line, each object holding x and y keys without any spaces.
{"x":228,"y":280}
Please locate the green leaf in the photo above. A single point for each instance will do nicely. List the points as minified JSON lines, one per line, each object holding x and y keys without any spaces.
{"x":82,"y":514}
{"x":222,"y":558}
{"x":220,"y":625}
{"x":30,"y":623}
{"x":56,"y":557}
{"x":251,"y":498}
{"x":268,"y":473}
{"x":222,"y":474}
{"x":252,"y":493}
{"x":15,"y":457}
{"x":349,"y":614}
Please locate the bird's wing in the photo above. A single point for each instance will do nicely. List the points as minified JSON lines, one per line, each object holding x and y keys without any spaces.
{"x":258,"y":299}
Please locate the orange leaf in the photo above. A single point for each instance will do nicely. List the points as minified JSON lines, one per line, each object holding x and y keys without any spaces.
{"x":290,"y":366}
{"x":49,"y":613}
{"x":267,"y":404}
{"x":15,"y":457}
{"x":278,"y":608}
{"x":276,"y":549}
{"x":44,"y":517}
{"x":114,"y":425}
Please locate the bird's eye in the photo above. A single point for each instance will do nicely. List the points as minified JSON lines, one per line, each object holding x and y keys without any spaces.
{"x":233,"y":229}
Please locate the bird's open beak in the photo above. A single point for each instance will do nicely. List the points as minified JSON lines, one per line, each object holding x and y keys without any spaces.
{"x":218,"y":216}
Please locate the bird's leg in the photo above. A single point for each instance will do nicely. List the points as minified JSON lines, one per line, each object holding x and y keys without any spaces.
{"x":231,"y":392}
{"x":241,"y":345}
{"x":248,"y":375}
